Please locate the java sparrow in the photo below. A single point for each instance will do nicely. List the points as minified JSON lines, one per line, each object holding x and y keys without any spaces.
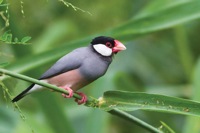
{"x":79,"y":67}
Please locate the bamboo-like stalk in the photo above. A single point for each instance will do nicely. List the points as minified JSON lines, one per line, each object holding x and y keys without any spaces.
{"x":134,"y":119}
{"x":116,"y":112}
{"x":184,"y":51}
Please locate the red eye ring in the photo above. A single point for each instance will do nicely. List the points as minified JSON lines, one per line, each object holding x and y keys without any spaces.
{"x":108,"y":44}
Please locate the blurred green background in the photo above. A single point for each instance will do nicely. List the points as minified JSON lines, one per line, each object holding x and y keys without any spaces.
{"x":162,"y":40}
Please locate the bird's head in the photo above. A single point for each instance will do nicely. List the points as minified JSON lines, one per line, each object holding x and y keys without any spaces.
{"x":107,"y":46}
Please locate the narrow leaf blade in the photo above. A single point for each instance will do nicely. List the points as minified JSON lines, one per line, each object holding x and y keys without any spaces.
{"x":130,"y":101}
{"x":4,"y":64}
{"x":25,"y":39}
{"x":166,"y":129}
{"x":4,"y":36}
{"x":9,"y":38}
{"x":181,"y":13}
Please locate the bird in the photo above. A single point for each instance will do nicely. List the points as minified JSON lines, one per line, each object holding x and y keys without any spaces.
{"x":79,"y":68}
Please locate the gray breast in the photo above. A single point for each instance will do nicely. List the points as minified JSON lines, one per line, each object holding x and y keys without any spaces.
{"x":95,"y":66}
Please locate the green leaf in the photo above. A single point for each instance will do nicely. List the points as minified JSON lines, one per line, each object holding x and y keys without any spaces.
{"x":16,"y":40}
{"x":9,"y":38}
{"x":25,"y":39}
{"x":130,"y":101}
{"x":158,"y":6}
{"x":4,"y":64}
{"x":4,"y":5}
{"x":180,"y":13}
{"x":192,"y":124}
{"x":4,"y":36}
{"x":165,"y":128}
{"x":1,"y":1}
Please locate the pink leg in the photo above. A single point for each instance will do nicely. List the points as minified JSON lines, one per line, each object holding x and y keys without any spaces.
{"x":83,"y":99}
{"x":70,"y":92}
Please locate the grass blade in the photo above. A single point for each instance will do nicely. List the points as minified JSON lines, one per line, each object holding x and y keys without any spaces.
{"x":130,"y":101}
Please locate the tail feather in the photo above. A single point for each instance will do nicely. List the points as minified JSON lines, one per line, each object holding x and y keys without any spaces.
{"x":22,"y":94}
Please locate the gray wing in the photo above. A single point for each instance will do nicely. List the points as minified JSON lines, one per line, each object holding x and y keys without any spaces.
{"x":71,"y":61}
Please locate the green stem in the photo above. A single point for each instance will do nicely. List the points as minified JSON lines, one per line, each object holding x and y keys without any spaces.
{"x":135,"y":120}
{"x":192,"y":123}
{"x":184,"y":51}
{"x":90,"y":102}
{"x":32,"y":80}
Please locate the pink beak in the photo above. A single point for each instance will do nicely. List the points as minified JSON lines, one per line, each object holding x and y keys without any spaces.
{"x":118,"y":46}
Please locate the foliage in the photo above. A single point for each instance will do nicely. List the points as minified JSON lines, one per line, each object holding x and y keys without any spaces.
{"x":68,"y":4}
{"x":3,"y":64}
{"x":7,"y":37}
{"x":161,"y":60}
{"x":130,"y":101}
{"x":165,"y":128}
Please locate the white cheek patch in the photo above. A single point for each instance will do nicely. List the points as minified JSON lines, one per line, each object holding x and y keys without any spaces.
{"x":103,"y":49}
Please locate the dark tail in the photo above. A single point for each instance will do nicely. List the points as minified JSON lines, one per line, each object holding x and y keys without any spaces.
{"x":22,"y":94}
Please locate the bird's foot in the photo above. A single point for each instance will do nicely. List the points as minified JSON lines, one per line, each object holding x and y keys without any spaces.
{"x":82,"y":100}
{"x":70,"y":91}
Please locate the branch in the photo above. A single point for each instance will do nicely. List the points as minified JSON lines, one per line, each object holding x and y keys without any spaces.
{"x":134,"y":119}
{"x":90,"y":102}
{"x":32,"y":80}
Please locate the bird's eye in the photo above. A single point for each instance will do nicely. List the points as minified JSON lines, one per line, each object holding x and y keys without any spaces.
{"x":108,"y":44}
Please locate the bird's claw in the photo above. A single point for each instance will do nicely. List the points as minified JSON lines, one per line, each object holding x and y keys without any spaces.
{"x":70,"y":91}
{"x":82,"y":100}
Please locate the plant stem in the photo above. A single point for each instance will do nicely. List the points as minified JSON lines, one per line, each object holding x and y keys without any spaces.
{"x":32,"y":80}
{"x":192,"y":123}
{"x":135,"y":120}
{"x":184,"y":51}
{"x":117,"y":112}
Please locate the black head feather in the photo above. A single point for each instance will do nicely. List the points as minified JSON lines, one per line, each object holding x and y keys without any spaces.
{"x":103,"y":40}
